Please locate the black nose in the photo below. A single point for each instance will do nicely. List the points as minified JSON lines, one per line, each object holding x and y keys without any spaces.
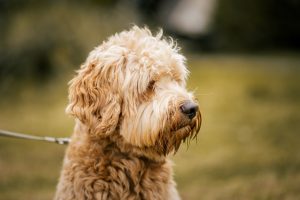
{"x":189,"y":109}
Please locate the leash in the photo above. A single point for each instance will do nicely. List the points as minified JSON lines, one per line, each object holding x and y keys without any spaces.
{"x":33,"y":137}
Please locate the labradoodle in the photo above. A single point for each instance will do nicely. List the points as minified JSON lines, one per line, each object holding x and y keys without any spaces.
{"x":132,"y":110}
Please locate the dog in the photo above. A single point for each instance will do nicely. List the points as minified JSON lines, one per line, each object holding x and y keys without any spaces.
{"x":131,"y":110}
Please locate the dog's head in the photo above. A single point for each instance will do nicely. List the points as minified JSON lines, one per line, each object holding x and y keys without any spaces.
{"x":134,"y":85}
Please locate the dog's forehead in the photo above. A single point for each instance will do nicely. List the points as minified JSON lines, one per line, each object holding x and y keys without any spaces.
{"x":176,"y":70}
{"x":158,"y":56}
{"x":138,"y":51}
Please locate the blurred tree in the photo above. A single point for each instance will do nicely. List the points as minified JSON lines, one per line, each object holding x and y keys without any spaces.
{"x":42,"y":40}
{"x":235,"y":24}
{"x":258,"y":24}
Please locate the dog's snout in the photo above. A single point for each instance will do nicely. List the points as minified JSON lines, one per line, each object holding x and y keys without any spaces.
{"x":189,"y":109}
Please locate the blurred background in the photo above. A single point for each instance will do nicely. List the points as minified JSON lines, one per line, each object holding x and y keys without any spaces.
{"x":245,"y":70}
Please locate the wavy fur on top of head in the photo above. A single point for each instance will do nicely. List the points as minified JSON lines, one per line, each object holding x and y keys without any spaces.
{"x":127,"y":100}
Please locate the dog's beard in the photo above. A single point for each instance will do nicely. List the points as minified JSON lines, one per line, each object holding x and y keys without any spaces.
{"x":170,"y":138}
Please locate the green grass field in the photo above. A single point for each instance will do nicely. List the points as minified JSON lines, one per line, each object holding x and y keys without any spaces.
{"x":248,"y":146}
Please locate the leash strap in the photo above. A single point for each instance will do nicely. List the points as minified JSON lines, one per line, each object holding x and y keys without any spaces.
{"x":33,"y":137}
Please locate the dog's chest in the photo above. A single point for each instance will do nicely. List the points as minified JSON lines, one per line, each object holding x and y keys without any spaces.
{"x":128,"y":179}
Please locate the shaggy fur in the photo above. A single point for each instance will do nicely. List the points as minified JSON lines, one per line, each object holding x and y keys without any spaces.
{"x":126,"y":100}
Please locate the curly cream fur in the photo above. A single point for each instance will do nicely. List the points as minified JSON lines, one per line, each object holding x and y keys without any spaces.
{"x":126,"y":99}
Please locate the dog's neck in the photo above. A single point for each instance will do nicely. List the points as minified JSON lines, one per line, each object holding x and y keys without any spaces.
{"x":112,"y":146}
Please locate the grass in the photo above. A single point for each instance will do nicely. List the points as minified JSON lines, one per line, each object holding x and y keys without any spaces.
{"x":248,"y":146}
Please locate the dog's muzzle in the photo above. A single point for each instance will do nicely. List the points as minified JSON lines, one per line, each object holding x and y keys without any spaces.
{"x":189,"y":109}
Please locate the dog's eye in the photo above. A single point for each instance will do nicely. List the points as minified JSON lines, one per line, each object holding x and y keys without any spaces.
{"x":151,"y":85}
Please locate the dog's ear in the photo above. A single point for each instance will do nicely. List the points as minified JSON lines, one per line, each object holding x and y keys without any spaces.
{"x":93,"y":101}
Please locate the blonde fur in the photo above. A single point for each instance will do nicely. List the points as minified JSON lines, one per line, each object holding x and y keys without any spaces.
{"x":126,"y":99}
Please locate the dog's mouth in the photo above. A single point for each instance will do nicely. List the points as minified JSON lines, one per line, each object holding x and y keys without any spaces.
{"x":182,"y":127}
{"x":189,"y":126}
{"x":185,"y":132}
